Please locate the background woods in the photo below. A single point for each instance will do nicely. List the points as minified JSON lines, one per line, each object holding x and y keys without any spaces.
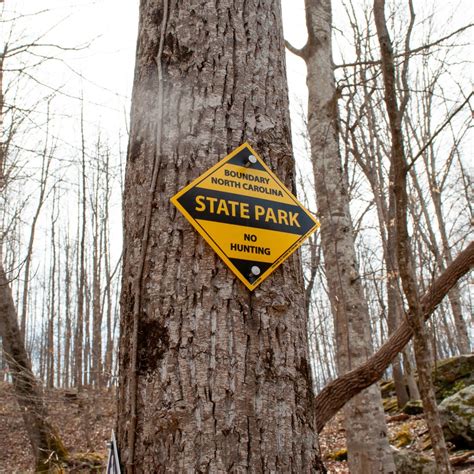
{"x":379,"y":94}
{"x":61,"y":187}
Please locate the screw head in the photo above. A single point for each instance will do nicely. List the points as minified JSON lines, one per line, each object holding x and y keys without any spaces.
{"x":252,"y":159}
{"x":255,"y":270}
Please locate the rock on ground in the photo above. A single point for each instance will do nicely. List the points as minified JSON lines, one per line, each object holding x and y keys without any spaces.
{"x":457,"y":416}
{"x":411,"y":462}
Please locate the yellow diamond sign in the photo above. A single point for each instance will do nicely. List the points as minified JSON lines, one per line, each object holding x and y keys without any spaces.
{"x":246,"y":215}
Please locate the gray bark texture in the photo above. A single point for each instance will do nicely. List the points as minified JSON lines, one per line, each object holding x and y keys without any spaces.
{"x":212,"y":378}
{"x":366,"y":430}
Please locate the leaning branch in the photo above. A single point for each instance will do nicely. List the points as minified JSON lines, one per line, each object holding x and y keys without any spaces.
{"x":337,"y":393}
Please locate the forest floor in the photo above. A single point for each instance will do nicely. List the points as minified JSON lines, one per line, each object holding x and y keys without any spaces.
{"x":85,"y":421}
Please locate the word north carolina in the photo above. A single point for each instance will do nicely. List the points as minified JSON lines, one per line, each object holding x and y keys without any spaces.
{"x":264,"y":187}
{"x":244,"y":210}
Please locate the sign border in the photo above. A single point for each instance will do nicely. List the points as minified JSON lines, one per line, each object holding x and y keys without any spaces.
{"x":210,"y":240}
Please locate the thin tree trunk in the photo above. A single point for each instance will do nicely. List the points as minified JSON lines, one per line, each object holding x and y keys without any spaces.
{"x":79,"y":365}
{"x":59,"y":331}
{"x":51,"y":303}
{"x":45,"y":164}
{"x":42,"y":345}
{"x":107,"y":294}
{"x":399,"y":170}
{"x":109,"y":348}
{"x":87,"y":357}
{"x":68,"y":323}
{"x":96,"y":373}
{"x":212,"y":378}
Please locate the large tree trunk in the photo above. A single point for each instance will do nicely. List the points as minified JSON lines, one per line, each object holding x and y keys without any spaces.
{"x":366,"y":430}
{"x":212,"y":378}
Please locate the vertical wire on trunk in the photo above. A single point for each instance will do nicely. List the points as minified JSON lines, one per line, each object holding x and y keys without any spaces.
{"x":144,"y":246}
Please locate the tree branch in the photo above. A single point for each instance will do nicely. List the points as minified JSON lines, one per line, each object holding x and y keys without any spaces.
{"x":299,"y":52}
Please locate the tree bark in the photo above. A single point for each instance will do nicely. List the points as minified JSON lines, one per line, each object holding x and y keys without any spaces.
{"x":212,"y":378}
{"x":366,"y":430}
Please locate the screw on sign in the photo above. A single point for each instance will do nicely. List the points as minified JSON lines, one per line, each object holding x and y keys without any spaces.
{"x":113,"y":462}
{"x":246,"y":214}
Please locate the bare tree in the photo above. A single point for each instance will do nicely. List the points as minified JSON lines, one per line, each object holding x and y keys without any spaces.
{"x":68,"y":319}
{"x":399,"y":171}
{"x":97,"y":236}
{"x":79,"y":359}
